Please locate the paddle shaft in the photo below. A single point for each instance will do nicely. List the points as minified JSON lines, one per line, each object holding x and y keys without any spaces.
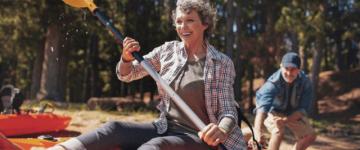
{"x":161,"y":82}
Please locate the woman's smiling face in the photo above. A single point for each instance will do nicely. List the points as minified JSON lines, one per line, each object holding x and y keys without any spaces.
{"x":189,"y":26}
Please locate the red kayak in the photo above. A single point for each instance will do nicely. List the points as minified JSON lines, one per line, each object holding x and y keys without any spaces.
{"x":26,"y":143}
{"x":23,"y":124}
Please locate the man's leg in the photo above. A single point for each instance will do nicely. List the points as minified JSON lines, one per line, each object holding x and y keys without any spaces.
{"x":305,"y":142}
{"x":277,"y":129}
{"x":304,"y":133}
{"x":276,"y":139}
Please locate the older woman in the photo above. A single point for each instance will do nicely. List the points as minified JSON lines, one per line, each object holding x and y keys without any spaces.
{"x":202,"y":76}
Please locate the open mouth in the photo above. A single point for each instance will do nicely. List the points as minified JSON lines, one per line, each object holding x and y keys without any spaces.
{"x":186,"y":34}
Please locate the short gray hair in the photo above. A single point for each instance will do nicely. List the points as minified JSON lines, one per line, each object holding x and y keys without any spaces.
{"x":206,"y":12}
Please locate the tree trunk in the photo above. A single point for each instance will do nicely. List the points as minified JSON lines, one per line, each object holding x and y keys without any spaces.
{"x":91,"y":77}
{"x":251,"y":87}
{"x":36,"y":73}
{"x":339,"y":56}
{"x":95,"y":89}
{"x":302,"y":51}
{"x":270,"y":38}
{"x":229,"y":28}
{"x":50,"y":74}
{"x":239,"y":69}
{"x":238,"y":61}
{"x":317,"y":57}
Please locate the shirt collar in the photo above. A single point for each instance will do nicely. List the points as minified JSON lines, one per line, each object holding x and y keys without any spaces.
{"x":211,"y":53}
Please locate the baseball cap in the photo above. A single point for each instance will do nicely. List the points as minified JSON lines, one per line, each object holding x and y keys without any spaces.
{"x":291,"y":59}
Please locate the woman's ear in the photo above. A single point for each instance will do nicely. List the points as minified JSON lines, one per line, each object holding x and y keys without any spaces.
{"x":205,"y":25}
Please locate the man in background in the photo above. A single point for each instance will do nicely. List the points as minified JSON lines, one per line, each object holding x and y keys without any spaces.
{"x":283,"y":102}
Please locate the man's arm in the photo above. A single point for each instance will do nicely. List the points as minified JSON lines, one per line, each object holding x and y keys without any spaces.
{"x":259,"y":125}
{"x":307,"y":97}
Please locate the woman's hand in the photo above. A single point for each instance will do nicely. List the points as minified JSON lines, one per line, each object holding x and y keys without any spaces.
{"x":212,"y":134}
{"x":129,"y":45}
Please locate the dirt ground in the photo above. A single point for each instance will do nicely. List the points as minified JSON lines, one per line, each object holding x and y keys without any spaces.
{"x":337,"y":125}
{"x":85,"y":121}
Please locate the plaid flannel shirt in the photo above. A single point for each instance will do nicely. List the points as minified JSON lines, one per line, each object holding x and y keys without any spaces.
{"x":219,"y":74}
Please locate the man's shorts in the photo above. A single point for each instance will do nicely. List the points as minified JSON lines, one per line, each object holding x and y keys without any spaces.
{"x":299,"y":128}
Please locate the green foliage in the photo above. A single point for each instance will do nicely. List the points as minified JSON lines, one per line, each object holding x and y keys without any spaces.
{"x":261,"y":25}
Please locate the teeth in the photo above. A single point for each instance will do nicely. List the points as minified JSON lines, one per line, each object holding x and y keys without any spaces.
{"x":186,"y":34}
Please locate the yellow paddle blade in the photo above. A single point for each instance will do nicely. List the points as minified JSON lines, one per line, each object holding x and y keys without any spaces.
{"x":81,"y":4}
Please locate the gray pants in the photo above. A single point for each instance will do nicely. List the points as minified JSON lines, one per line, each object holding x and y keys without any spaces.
{"x":141,"y":136}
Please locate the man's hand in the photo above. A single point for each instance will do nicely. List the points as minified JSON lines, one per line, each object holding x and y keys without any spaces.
{"x":258,"y":128}
{"x":260,"y":138}
{"x":295,"y":116}
{"x":280,"y":121}
{"x":212,"y":134}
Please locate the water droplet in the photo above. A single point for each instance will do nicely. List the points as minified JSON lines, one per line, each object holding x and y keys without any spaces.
{"x":84,"y":16}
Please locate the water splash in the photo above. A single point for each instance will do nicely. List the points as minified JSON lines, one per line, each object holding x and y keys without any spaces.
{"x":84,"y":14}
{"x":61,"y":16}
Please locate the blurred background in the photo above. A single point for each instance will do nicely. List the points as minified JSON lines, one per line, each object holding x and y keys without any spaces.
{"x":52,"y":51}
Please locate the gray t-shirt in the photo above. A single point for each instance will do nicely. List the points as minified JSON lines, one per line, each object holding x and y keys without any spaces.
{"x":189,"y":84}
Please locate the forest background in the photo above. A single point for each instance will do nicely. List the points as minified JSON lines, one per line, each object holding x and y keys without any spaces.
{"x":55,"y":52}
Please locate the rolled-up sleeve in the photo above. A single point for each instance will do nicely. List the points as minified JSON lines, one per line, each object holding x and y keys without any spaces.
{"x":226,"y":94}
{"x":265,"y":97}
{"x":137,"y":71}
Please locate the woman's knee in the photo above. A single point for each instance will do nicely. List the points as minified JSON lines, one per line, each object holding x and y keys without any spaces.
{"x":112,"y":124}
{"x":112,"y":127}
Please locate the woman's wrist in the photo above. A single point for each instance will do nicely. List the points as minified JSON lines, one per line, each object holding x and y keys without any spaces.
{"x":125,"y":60}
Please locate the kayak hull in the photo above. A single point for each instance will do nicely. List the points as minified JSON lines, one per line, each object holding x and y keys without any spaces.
{"x":26,"y":143}
{"x":24,"y":124}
